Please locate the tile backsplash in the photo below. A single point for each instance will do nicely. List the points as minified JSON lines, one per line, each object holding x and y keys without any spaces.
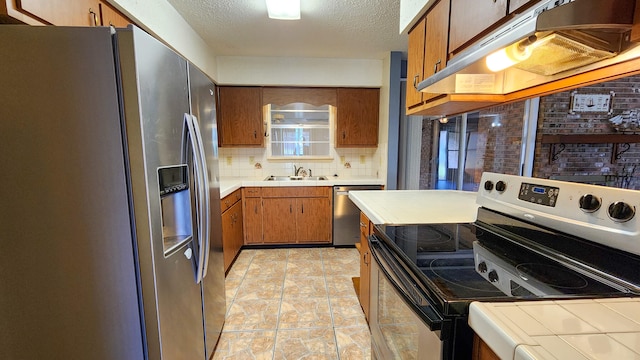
{"x":253,"y":163}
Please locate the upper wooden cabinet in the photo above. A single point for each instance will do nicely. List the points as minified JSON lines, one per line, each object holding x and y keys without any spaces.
{"x":61,"y":13}
{"x":470,"y":18}
{"x":415,"y":63}
{"x":436,"y":36}
{"x":427,"y":51}
{"x":357,"y":117}
{"x":240,"y":121}
{"x":109,"y":16}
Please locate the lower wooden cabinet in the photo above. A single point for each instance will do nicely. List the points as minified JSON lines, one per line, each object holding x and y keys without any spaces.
{"x":287,"y":215}
{"x":232,"y":233}
{"x":365,"y":264}
{"x":482,"y":351}
{"x":280,"y":220}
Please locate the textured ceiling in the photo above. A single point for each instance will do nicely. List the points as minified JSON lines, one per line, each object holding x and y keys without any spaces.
{"x":365,"y":29}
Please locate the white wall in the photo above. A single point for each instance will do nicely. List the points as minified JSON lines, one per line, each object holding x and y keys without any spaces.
{"x":159,"y":18}
{"x":242,"y":70}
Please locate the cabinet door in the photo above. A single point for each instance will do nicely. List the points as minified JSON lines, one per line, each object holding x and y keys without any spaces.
{"x":64,"y":13}
{"x":252,"y":220}
{"x":365,"y":264}
{"x":436,"y":36}
{"x":357,"y":117}
{"x":227,"y":239}
{"x":240,"y":116}
{"x":280,"y":220}
{"x":112,"y":17}
{"x":237,"y":236}
{"x":415,"y":61}
{"x":313,"y":220}
{"x":471,"y":17}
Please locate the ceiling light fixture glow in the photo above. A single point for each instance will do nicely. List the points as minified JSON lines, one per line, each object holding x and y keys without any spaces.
{"x":284,"y":9}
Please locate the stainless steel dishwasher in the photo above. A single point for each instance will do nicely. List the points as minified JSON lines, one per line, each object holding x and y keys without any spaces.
{"x":346,"y":215}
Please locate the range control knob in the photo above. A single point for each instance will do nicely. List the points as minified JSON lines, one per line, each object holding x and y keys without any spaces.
{"x":501,"y":186}
{"x":493,"y":276}
{"x":589,"y":203}
{"x":482,"y":267}
{"x":620,"y":211}
{"x":488,"y":185}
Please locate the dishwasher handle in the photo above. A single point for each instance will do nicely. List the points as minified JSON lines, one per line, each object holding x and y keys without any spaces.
{"x":342,"y":193}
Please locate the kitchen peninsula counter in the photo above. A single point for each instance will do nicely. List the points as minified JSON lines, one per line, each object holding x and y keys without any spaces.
{"x":229,"y":185}
{"x":416,"y":206}
{"x":563,"y":329}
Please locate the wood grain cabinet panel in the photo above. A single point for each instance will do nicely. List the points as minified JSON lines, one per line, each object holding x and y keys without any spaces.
{"x":470,"y":18}
{"x":240,"y":121}
{"x":313,"y":220}
{"x":482,"y":351}
{"x":365,"y":264}
{"x":109,"y":16}
{"x":252,"y":211}
{"x":279,"y":218}
{"x":415,"y":63}
{"x":232,"y":234}
{"x":357,"y":117}
{"x":436,"y":40}
{"x":63,"y":13}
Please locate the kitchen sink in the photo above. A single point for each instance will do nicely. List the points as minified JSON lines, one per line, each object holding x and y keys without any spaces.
{"x":294,"y":178}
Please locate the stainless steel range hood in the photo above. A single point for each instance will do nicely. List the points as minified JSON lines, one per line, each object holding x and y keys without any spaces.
{"x":553,"y":40}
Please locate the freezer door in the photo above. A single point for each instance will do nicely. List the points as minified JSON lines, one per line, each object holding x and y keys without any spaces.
{"x":203,"y":107}
{"x":155,"y":99}
{"x":67,"y":273}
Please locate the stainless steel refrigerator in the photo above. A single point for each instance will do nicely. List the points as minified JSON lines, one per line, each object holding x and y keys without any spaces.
{"x":110,"y":218}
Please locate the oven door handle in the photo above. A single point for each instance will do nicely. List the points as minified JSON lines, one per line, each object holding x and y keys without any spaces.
{"x":405,"y":285}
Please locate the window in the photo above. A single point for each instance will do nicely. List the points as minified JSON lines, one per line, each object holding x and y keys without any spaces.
{"x":299,"y":130}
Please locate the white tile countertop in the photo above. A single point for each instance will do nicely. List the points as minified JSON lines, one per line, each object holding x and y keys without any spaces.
{"x":602,"y":329}
{"x":416,"y":206}
{"x":229,"y":185}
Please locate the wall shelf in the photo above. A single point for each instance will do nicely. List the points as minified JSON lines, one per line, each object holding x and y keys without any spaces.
{"x":615,"y":139}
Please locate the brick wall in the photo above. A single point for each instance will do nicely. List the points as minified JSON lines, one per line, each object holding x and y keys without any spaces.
{"x":588,"y":160}
{"x":499,"y":139}
{"x":498,"y":148}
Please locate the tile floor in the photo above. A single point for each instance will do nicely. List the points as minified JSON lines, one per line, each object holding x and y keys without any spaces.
{"x":294,"y":304}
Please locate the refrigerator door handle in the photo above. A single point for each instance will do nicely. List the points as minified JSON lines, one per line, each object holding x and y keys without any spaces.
{"x":200,"y":196}
{"x":207,"y":205}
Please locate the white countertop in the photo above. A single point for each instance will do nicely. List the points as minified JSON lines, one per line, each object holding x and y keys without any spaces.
{"x":416,"y":206}
{"x":557,"y":330}
{"x":229,"y":185}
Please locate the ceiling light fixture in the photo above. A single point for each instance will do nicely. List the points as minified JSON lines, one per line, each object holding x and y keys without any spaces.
{"x":284,"y":9}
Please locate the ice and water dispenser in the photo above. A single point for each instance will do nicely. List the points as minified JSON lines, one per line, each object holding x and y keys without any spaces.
{"x":175,"y":199}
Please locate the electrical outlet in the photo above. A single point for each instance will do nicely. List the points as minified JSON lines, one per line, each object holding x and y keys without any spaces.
{"x":363,"y":159}
{"x":342,"y":159}
{"x":229,"y":160}
{"x":251,"y":160}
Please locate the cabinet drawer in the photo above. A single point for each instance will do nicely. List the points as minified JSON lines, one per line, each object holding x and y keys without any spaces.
{"x":230,"y":199}
{"x":252,"y":192}
{"x":296,"y":191}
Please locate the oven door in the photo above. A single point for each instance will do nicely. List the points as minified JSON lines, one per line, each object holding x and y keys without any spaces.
{"x":403,"y":324}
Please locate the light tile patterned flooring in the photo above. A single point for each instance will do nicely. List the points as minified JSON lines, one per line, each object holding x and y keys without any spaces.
{"x":294,"y":304}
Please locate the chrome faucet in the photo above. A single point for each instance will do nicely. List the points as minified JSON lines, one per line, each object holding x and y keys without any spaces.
{"x":296,"y":170}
